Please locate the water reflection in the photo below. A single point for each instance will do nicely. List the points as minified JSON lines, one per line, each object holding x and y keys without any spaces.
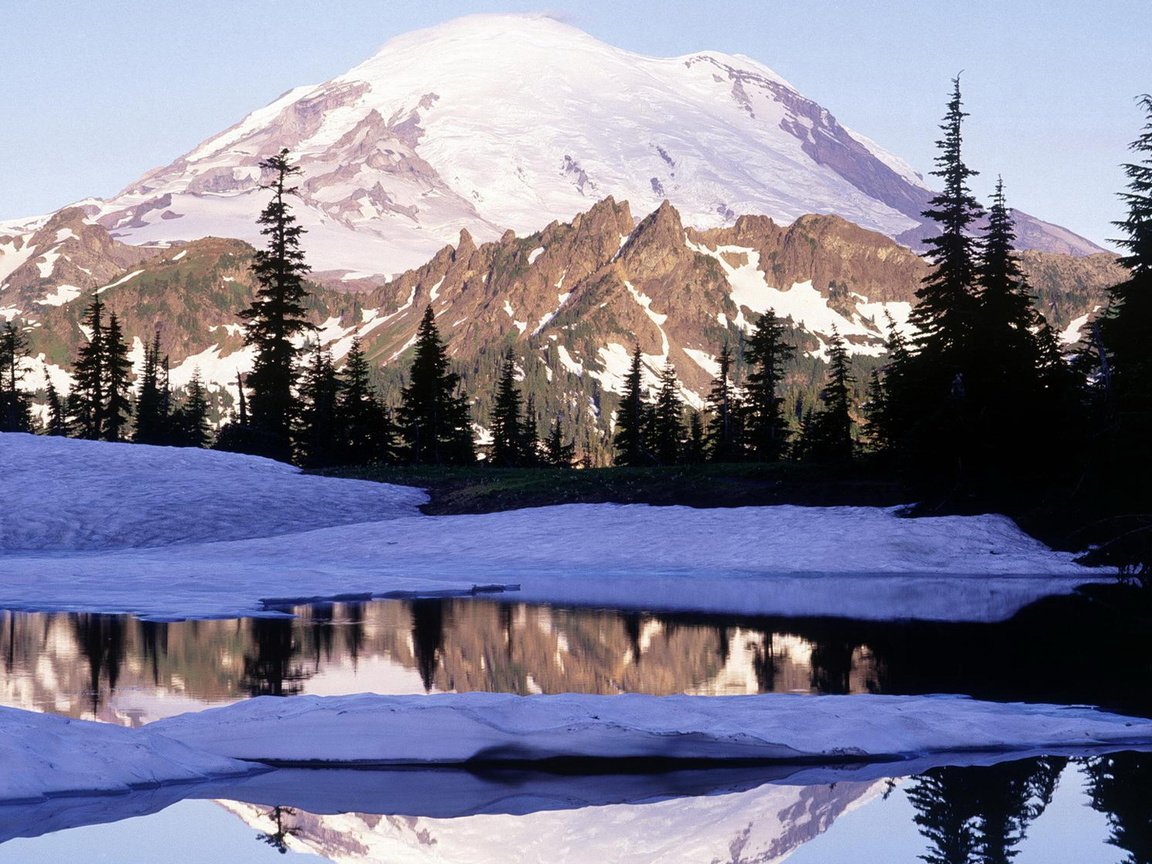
{"x":128,"y":671}
{"x":981,"y":815}
{"x":1085,"y":809}
{"x":1120,"y":785}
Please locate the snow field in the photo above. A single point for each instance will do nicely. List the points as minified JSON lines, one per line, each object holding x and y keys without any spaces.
{"x":171,"y":533}
{"x":45,"y":755}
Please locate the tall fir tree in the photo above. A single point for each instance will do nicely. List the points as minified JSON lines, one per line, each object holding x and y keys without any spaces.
{"x":317,"y":436}
{"x":945,"y":312}
{"x":723,"y":437}
{"x":830,"y":433}
{"x":767,"y":354}
{"x":629,"y":440}
{"x":928,"y":399}
{"x":15,"y":404}
{"x":668,"y":432}
{"x":189,"y":422}
{"x":57,"y":421}
{"x":152,"y":420}
{"x":1125,"y":334}
{"x":276,"y":315}
{"x":507,"y":421}
{"x":87,"y":401}
{"x":366,"y":431}
{"x":118,"y":369}
{"x":433,"y":416}
{"x":558,"y":452}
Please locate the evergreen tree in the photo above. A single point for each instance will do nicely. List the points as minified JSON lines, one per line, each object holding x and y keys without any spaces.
{"x":366,"y":434}
{"x":831,"y":429}
{"x":118,"y":369}
{"x":57,"y":414}
{"x":927,"y":400}
{"x":506,"y":421}
{"x":723,"y":439}
{"x":152,"y":421}
{"x":629,"y":438}
{"x":189,"y":422}
{"x":15,"y":405}
{"x":317,"y":436}
{"x":886,"y":411}
{"x":276,"y":314}
{"x":946,"y":307}
{"x":668,"y":419}
{"x":433,"y":416}
{"x":1118,"y":785}
{"x":1006,"y":320}
{"x":1125,"y":333}
{"x":557,"y":452}
{"x":767,"y":355}
{"x":86,"y":403}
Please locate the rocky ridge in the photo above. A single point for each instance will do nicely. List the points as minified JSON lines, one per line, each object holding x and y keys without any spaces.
{"x":571,"y":300}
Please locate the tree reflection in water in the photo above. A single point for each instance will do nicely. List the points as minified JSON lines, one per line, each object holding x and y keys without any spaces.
{"x":278,"y":838}
{"x":980,"y":815}
{"x":100,"y":639}
{"x":1120,"y":786}
{"x":468,"y":644}
{"x":268,"y":665}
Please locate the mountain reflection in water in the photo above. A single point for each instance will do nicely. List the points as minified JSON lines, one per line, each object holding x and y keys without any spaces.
{"x":1088,"y":808}
{"x":124,"y":670}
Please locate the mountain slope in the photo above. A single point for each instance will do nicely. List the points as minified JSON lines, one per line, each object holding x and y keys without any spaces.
{"x":571,"y":300}
{"x":497,"y":122}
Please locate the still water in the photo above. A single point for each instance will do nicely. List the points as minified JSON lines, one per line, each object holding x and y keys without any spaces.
{"x":1085,"y":807}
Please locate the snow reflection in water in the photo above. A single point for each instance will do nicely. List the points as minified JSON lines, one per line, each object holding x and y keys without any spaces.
{"x":127,"y":671}
{"x":1045,"y":809}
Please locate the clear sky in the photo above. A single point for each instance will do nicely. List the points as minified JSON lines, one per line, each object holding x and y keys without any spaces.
{"x":96,"y":93}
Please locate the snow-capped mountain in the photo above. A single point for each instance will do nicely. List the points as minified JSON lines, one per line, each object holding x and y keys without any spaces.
{"x":757,"y":826}
{"x":497,"y":122}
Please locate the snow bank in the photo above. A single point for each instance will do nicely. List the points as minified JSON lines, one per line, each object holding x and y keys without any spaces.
{"x":90,"y":522}
{"x":63,"y":494}
{"x":497,"y":727}
{"x":47,"y":755}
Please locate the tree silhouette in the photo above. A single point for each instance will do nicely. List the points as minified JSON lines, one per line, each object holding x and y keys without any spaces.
{"x":507,"y":421}
{"x":365,"y":430}
{"x":15,"y":405}
{"x":152,"y":422}
{"x":980,"y":815}
{"x":1118,"y":785}
{"x":86,"y":403}
{"x":723,"y":435}
{"x":276,"y":315}
{"x":427,"y":637}
{"x":433,"y":415}
{"x":767,"y":355}
{"x":668,"y":419}
{"x":629,"y":439}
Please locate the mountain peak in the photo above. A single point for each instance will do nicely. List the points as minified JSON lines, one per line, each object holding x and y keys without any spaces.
{"x":510,"y":121}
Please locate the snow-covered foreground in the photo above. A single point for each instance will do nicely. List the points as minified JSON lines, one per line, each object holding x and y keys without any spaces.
{"x":45,"y":755}
{"x":169,"y":533}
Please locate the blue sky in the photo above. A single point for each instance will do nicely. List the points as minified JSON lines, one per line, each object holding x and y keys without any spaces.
{"x":96,"y":93}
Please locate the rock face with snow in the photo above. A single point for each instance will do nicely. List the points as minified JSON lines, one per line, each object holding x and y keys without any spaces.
{"x":571,"y":299}
{"x":496,"y":122}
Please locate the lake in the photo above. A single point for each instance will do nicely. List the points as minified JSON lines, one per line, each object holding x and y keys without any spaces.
{"x":1072,"y":806}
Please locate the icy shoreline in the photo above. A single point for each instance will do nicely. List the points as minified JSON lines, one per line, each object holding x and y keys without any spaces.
{"x":47,"y":756}
{"x":167,"y":533}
